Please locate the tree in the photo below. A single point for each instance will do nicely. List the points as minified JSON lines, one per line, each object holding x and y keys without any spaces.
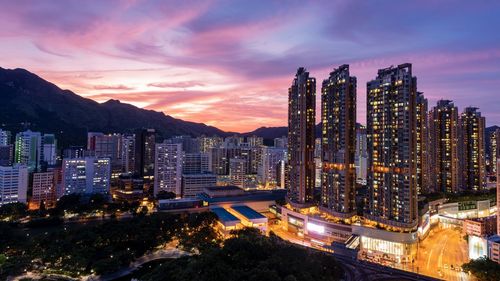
{"x":13,"y":211}
{"x":483,"y":268}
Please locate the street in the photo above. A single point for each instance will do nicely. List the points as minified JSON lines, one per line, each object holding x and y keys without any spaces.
{"x":441,"y":253}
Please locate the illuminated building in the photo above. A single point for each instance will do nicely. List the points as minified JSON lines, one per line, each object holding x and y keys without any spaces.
{"x":106,"y":146}
{"x":255,"y":141}
{"x":483,"y":227}
{"x":128,"y":153}
{"x":168,"y":168}
{"x":145,"y":152}
{"x":206,"y":143}
{"x":281,"y":142}
{"x":443,"y":128}
{"x":472,"y":150}
{"x":193,"y":184}
{"x":338,"y":144}
{"x":422,"y":145}
{"x":391,"y":133}
{"x":28,"y":149}
{"x":301,"y":136}
{"x":361,"y":156}
{"x":494,"y":150}
{"x":6,"y":155}
{"x":4,"y":137}
{"x":195,"y":163}
{"x":272,"y":167}
{"x":44,"y":189}
{"x":86,"y":175}
{"x":218,"y":161}
{"x":13,"y":184}
{"x":498,"y":196}
{"x":237,"y":171}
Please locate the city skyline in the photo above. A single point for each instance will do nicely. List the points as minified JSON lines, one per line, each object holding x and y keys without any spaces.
{"x":216,"y":59}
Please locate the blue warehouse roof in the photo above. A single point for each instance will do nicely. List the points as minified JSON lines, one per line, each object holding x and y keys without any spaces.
{"x":224,"y":216}
{"x":248,"y":212}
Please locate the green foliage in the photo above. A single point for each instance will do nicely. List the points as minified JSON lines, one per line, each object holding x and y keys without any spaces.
{"x":483,"y":269}
{"x":101,"y":248}
{"x":251,"y":256}
{"x":13,"y":211}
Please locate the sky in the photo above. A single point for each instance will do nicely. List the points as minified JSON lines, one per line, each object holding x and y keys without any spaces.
{"x":229,"y":63}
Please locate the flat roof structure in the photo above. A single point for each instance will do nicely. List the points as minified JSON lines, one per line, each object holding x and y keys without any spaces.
{"x":225,"y":217}
{"x":248,"y":212}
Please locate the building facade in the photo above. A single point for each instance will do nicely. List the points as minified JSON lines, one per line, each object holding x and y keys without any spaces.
{"x":338,"y":143}
{"x":472,"y":150}
{"x":301,"y":136}
{"x":13,"y":184}
{"x":87,"y":175}
{"x":422,"y":146}
{"x":391,"y":134}
{"x":444,"y":158}
{"x":168,"y":168}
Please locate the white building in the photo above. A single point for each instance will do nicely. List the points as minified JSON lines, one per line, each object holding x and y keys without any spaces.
{"x":4,"y":137}
{"x":13,"y":184}
{"x":49,"y":149}
{"x":86,"y":175}
{"x":272,"y":168}
{"x":237,"y":171}
{"x":168,"y":168}
{"x":193,"y":184}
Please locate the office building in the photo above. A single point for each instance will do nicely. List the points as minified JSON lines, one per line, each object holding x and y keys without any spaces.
{"x":168,"y":168}
{"x":218,"y":161}
{"x":189,"y":144}
{"x":44,"y":189}
{"x":86,"y":175}
{"x":338,"y":143}
{"x":472,"y":150}
{"x":195,"y":163}
{"x":301,"y":136}
{"x":391,"y":134}
{"x":444,"y":161}
{"x":193,"y":184}
{"x":145,"y":152}
{"x":49,"y":149}
{"x":28,"y":149}
{"x":6,"y":155}
{"x":13,"y":184}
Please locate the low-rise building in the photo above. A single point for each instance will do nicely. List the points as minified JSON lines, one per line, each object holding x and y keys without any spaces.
{"x":480,"y":226}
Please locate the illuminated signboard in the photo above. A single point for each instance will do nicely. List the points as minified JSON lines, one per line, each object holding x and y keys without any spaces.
{"x":315,"y":228}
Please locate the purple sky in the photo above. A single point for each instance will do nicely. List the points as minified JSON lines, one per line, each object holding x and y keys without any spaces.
{"x":229,"y":63}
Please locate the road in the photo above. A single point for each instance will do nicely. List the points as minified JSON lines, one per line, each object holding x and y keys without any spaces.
{"x":355,"y":270}
{"x":442,"y":249}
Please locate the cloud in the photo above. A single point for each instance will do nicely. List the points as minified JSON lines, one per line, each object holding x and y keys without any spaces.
{"x":112,"y":87}
{"x":184,"y":84}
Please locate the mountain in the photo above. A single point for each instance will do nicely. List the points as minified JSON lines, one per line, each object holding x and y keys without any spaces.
{"x":28,"y":101}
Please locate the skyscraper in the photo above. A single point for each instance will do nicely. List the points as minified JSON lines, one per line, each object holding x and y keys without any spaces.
{"x":422,"y":149}
{"x":301,"y":136}
{"x":128,"y":153}
{"x":443,"y":129}
{"x":494,"y":150}
{"x":168,"y":168}
{"x":338,"y":116}
{"x":472,"y":149}
{"x":361,"y":157}
{"x":145,"y":152}
{"x":272,"y":167}
{"x":391,"y":134}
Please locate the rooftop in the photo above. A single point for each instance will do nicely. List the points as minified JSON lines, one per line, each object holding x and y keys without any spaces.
{"x":224,"y":216}
{"x":248,"y":212}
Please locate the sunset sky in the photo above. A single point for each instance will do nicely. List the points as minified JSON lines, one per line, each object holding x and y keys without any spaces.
{"x":229,"y":63}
